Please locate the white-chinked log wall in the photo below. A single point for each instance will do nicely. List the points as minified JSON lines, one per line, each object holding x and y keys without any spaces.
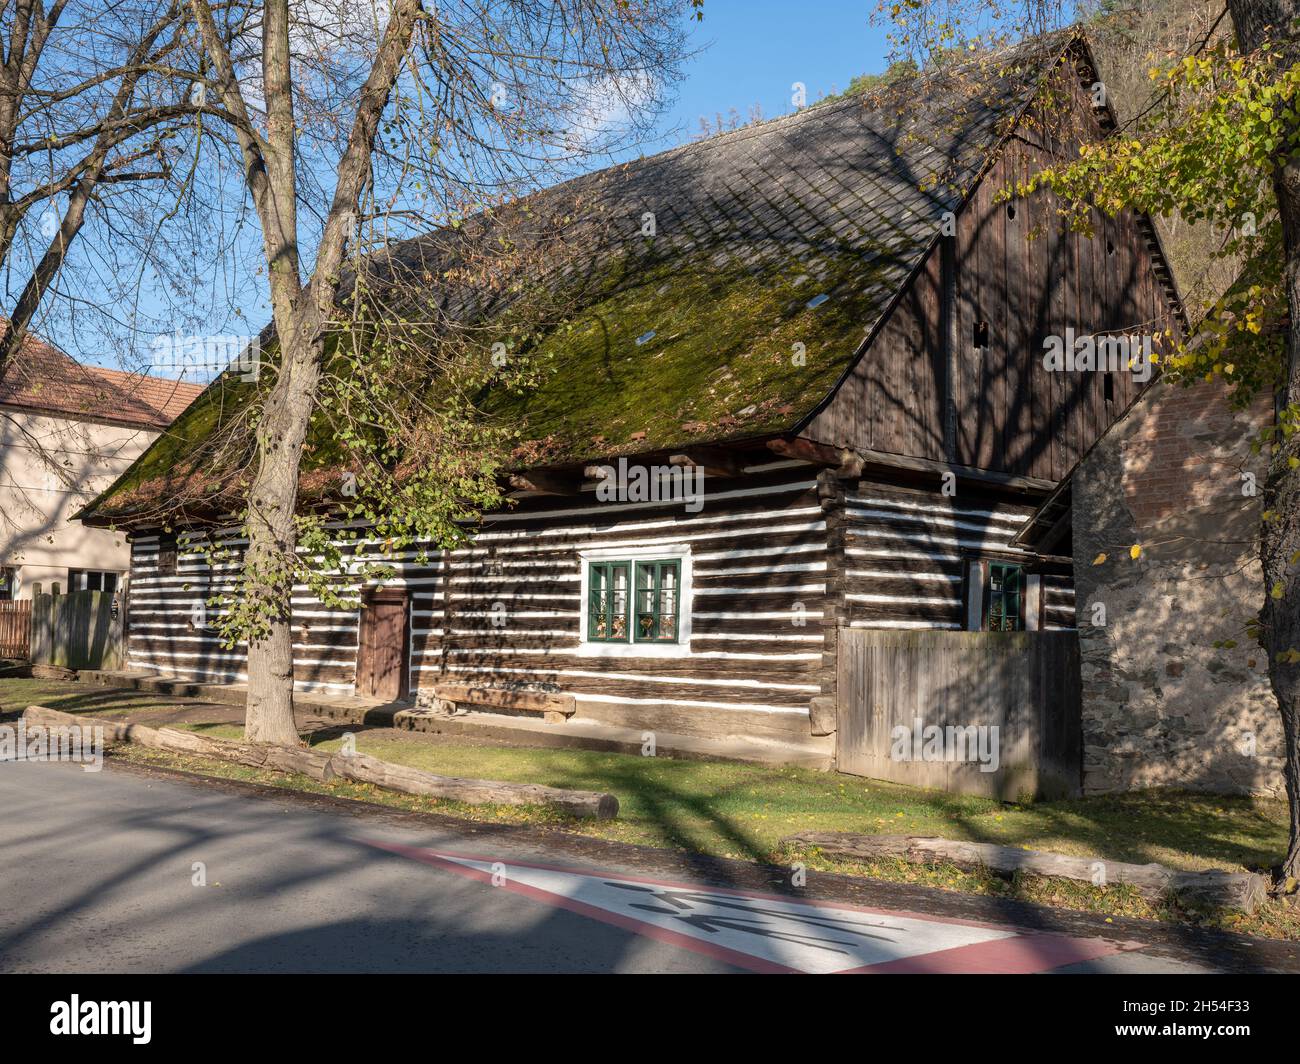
{"x":759,"y":559}
{"x":505,"y":609}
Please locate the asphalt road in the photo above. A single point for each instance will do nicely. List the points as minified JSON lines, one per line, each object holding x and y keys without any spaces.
{"x":130,"y":871}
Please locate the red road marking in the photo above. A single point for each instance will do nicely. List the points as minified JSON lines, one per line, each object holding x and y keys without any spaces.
{"x":1022,"y":955}
{"x":1019,"y":953}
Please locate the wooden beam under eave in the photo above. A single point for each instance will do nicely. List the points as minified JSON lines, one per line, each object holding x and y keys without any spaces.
{"x":546,"y":483}
{"x":846,"y":463}
{"x":852,"y":464}
{"x":715,"y":461}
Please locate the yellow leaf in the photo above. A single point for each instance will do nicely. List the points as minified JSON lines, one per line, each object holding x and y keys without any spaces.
{"x":1135,"y":551}
{"x":1099,"y":559}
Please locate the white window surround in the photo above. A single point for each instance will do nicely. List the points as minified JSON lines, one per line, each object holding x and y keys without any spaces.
{"x":686,"y":593}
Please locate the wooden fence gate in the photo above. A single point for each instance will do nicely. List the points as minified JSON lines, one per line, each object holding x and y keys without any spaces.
{"x":989,"y":713}
{"x":16,"y":629}
{"x":80,"y":630}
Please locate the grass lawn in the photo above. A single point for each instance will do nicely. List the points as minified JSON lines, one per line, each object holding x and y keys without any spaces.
{"x":745,"y":810}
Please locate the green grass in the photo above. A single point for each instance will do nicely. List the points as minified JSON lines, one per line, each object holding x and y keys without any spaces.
{"x":744,"y":811}
{"x":16,"y":695}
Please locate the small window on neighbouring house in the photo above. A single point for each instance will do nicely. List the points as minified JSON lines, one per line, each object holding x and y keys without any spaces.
{"x":91,"y":580}
{"x":634,"y":601}
{"x":1002,"y":598}
{"x":167,"y":555}
{"x":8,"y":583}
{"x":981,"y":334}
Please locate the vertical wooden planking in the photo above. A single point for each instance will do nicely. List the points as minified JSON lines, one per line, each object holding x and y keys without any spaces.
{"x":1025,"y":684}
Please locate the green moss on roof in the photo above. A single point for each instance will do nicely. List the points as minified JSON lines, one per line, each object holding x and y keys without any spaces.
{"x":678,"y":352}
{"x":796,"y":231}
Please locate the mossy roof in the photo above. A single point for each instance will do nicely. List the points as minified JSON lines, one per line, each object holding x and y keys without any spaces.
{"x":787,"y":238}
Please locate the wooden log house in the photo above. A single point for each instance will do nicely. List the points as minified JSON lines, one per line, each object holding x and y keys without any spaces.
{"x":840,"y":324}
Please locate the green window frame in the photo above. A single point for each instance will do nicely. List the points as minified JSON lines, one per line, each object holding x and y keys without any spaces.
{"x":658,"y":601}
{"x":634,"y":602}
{"x":608,"y":602}
{"x":1004,"y":597}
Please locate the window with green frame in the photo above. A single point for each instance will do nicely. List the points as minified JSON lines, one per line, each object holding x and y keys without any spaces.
{"x":1003,"y":598}
{"x":607,"y":602}
{"x":649,"y":614}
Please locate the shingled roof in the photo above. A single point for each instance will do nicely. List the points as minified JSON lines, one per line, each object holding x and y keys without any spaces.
{"x":802,"y":230}
{"x":42,"y":379}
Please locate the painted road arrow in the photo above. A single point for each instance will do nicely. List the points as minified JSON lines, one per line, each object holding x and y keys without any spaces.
{"x":770,"y":933}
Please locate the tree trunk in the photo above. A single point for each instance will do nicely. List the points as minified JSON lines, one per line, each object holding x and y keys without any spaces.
{"x":272,"y":537}
{"x":1278,"y":21}
{"x":300,"y":313}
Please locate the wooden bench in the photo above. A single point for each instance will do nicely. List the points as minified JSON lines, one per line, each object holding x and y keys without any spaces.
{"x":554,"y":708}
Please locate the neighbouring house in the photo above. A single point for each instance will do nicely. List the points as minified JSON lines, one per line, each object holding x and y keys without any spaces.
{"x":839,"y":325}
{"x":1175,"y":692}
{"x":66,"y":432}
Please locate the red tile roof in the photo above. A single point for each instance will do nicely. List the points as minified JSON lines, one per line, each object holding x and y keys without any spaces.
{"x":41,"y":377}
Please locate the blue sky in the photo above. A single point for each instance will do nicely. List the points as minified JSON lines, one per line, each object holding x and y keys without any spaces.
{"x":749,"y":52}
{"x":754,"y":50}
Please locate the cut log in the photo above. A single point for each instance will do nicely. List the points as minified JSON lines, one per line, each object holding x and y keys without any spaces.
{"x":42,"y":671}
{"x":821,"y":715}
{"x":1230,"y":890}
{"x":311,"y":763}
{"x":360,"y":768}
{"x":365,"y":769}
{"x":554,"y":707}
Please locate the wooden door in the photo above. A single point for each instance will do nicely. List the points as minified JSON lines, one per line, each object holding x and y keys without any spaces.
{"x":382,"y":650}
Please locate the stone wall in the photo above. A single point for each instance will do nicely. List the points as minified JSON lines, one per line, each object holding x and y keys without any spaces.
{"x":1162,"y":706}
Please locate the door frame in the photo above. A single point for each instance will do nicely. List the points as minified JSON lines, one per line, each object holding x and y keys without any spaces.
{"x":386,"y":596}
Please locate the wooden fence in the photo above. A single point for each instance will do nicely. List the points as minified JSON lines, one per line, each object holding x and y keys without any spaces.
{"x":16,"y":629}
{"x":988,"y":713}
{"x":81,"y":630}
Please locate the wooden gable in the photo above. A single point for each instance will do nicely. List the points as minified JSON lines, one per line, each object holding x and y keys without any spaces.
{"x":954,"y":373}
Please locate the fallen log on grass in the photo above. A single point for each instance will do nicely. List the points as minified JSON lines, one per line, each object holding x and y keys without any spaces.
{"x":359,"y":768}
{"x":365,"y":769}
{"x":1218,"y":889}
{"x":256,"y":755}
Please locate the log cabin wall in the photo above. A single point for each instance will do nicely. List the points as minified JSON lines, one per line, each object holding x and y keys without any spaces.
{"x":990,"y":294}
{"x":169,"y":629}
{"x":906,"y":553}
{"x":505,"y":609}
{"x":782,"y":558}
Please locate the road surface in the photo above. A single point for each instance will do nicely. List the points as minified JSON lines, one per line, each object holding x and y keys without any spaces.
{"x":128,"y":870}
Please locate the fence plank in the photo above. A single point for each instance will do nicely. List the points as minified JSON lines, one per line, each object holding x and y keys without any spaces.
{"x":1018,"y":691}
{"x":80,"y":630}
{"x":16,"y":629}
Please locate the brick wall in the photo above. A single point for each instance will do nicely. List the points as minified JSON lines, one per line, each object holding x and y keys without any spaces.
{"x":1162,"y":706}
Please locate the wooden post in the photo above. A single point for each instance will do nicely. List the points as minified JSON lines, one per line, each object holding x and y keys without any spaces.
{"x":831,"y":496}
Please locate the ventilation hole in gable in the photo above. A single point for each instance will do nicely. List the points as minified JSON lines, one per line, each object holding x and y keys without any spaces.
{"x":1110,"y":248}
{"x":1011,"y":210}
{"x":1108,"y":387}
{"x":981,"y":334}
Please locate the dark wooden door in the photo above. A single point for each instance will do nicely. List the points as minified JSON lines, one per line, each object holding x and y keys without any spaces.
{"x":382,"y":650}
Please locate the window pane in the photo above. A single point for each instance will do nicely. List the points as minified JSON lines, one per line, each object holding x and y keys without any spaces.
{"x":110,"y":581}
{"x":618,"y":621}
{"x":1004,"y":598}
{"x":633,"y":601}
